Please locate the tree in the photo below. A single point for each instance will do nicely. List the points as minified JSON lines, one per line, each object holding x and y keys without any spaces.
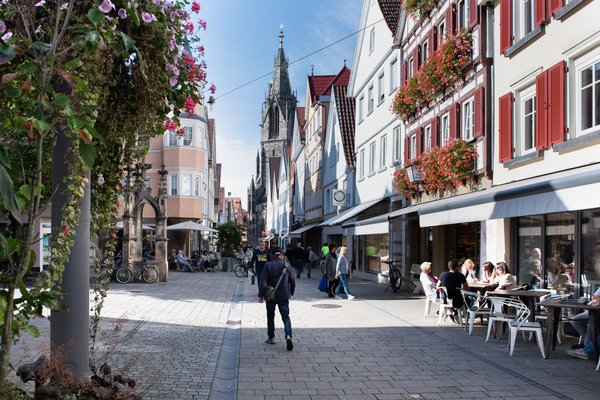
{"x":230,"y":238}
{"x":109,"y":75}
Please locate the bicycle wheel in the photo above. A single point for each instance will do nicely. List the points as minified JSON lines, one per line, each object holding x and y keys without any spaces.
{"x":123,"y":275}
{"x":239,"y":270}
{"x":150,"y":274}
{"x":395,"y":280}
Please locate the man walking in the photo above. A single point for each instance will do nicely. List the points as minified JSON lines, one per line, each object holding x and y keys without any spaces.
{"x":280,"y":277}
{"x":258,"y":261}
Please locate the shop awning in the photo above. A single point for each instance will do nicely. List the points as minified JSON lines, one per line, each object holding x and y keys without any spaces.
{"x":331,"y":221}
{"x":564,"y":191}
{"x":371,"y":226}
{"x":405,"y":210}
{"x":352,"y":212}
{"x":301,"y":230}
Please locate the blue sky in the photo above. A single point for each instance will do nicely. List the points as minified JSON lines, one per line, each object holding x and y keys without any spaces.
{"x":241,"y":41}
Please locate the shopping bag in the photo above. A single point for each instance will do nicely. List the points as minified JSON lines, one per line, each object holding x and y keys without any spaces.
{"x":322,"y":286}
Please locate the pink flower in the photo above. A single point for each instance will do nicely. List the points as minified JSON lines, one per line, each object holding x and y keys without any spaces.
{"x":171,"y":45}
{"x":212,"y":88}
{"x":173,"y":81}
{"x":169,"y":125}
{"x":122,"y":13}
{"x":190,"y":27}
{"x":195,"y":7}
{"x":147,"y":17}
{"x":6,"y":36}
{"x":202,"y":23}
{"x":201,"y":50}
{"x":106,"y":6}
{"x":40,"y":3}
{"x":189,"y":105}
{"x":2,"y":26}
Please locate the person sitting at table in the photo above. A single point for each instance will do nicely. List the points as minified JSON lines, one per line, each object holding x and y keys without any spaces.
{"x":503,"y":277}
{"x":469,"y":270}
{"x":580,"y":323}
{"x":561,"y":279}
{"x":488,"y":271}
{"x":428,"y":281}
{"x":453,"y":281}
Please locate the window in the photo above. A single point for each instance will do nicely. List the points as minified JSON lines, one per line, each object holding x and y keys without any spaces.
{"x":461,"y":10}
{"x":522,"y":18}
{"x":412,"y":147}
{"x":425,"y":51}
{"x":393,"y":74}
{"x":371,"y":40}
{"x":527,"y":121}
{"x":445,"y":128}
{"x":361,"y":107}
{"x":173,"y":138}
{"x":370,"y":100}
{"x":372,"y":154}
{"x":186,"y":185}
{"x":188,"y":135}
{"x":589,"y":95}
{"x":362,"y":163}
{"x":197,"y":187}
{"x":382,"y":152}
{"x":410,"y":68}
{"x":427,"y":137}
{"x":467,"y":120}
{"x":173,"y":185}
{"x":380,"y":90}
{"x":397,"y":143}
{"x":441,"y":33}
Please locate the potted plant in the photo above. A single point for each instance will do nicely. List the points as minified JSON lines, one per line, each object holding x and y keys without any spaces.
{"x":230,"y":238}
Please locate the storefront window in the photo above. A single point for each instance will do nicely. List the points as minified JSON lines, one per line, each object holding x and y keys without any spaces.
{"x":375,"y":247}
{"x":590,"y":252}
{"x":560,"y":241}
{"x":529,"y":241}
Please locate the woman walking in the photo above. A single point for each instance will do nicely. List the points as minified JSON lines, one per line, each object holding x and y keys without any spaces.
{"x":342,"y":271}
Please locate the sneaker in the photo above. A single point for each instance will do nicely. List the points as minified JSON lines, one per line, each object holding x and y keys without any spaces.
{"x":578,"y":353}
{"x":350,"y":297}
{"x":270,"y":341}
{"x":337,"y":297}
{"x":288,"y":341}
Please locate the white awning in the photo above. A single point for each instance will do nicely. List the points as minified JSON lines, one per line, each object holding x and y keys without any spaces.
{"x":299,"y":231}
{"x":352,"y":212}
{"x":565,"y":191}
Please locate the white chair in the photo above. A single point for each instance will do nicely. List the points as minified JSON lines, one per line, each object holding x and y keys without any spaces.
{"x":428,"y":302}
{"x":522,"y":323}
{"x":445,"y":308}
{"x":497,"y":314}
{"x":560,"y":333}
{"x":479,"y":308}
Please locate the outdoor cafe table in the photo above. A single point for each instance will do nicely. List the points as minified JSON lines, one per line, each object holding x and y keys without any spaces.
{"x":482,"y":287}
{"x":527,"y":296}
{"x":554,"y":307}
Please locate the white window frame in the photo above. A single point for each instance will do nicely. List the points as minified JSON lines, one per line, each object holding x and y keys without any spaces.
{"x":382,"y":152}
{"x":197,"y":186}
{"x":441,"y":33}
{"x":412,"y":147}
{"x":526,"y":95}
{"x":467,"y":119}
{"x":445,"y":129}
{"x":372,"y":157}
{"x":586,"y":62}
{"x":427,"y":137}
{"x":173,"y":185}
{"x":410,"y":67}
{"x":361,"y":108}
{"x":380,"y":88}
{"x":188,"y":136}
{"x":393,"y":74}
{"x":362,"y":163}
{"x":519,"y":23}
{"x":462,"y":14}
{"x":424,"y":51}
{"x":186,"y":184}
{"x":397,"y":132}
{"x":173,"y":139}
{"x":370,"y":99}
{"x":372,"y":40}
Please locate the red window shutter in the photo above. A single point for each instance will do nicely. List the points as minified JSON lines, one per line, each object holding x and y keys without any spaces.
{"x":473,"y":11}
{"x":556,"y":103}
{"x":415,"y":60}
{"x":403,"y":77}
{"x":505,"y":127}
{"x":434,"y":132}
{"x":453,"y":115}
{"x":431,"y":43}
{"x":505,"y":25}
{"x":419,"y":134}
{"x":478,"y":105}
{"x":406,"y":148}
{"x":541,"y":111}
{"x":555,"y":5}
{"x":449,"y":27}
{"x":540,"y":12}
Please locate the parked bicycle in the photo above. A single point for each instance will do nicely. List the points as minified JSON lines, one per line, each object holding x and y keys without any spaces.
{"x":395,"y":276}
{"x":149,"y":273}
{"x":242,"y":268}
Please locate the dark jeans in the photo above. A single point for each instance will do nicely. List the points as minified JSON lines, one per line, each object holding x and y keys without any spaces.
{"x":284,"y":310}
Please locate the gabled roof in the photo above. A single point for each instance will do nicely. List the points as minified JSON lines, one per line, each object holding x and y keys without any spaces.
{"x":391,"y":12}
{"x":346,"y":110}
{"x":341,"y":79}
{"x":319,"y":85}
{"x":301,"y":122}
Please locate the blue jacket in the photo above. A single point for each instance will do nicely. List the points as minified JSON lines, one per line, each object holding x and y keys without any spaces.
{"x":270,"y":275}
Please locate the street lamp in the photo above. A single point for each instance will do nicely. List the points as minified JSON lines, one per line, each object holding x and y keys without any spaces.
{"x":414,"y":172}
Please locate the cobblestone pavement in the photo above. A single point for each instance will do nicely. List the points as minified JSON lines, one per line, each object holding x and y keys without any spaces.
{"x":180,"y":340}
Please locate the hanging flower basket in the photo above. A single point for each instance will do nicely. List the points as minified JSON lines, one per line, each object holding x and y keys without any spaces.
{"x":419,"y":9}
{"x":446,"y":67}
{"x":443,"y":167}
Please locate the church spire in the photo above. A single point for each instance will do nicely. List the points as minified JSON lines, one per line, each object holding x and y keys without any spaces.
{"x":281,"y":36}
{"x":281,"y":81}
